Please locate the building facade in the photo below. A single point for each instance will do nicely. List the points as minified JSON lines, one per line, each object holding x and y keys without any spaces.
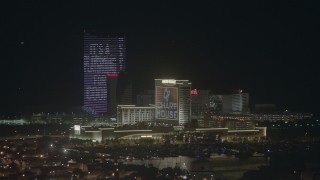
{"x":120,"y":91}
{"x":131,"y":114}
{"x":238,"y":103}
{"x":173,"y":101}
{"x":145,"y":98}
{"x":215,"y":104}
{"x":124,"y":89}
{"x":103,"y":56}
{"x":199,"y":102}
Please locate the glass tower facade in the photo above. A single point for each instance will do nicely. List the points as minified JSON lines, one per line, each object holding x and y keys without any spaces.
{"x":104,"y":56}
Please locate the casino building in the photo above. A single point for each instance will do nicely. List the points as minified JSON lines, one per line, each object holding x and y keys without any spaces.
{"x":170,"y":116}
{"x":172,"y":105}
{"x":173,"y":101}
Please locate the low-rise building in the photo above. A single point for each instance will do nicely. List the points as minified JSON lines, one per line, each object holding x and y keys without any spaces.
{"x":131,"y":114}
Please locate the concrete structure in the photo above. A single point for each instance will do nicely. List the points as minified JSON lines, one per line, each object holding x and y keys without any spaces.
{"x":131,"y":114}
{"x":173,"y":101}
{"x":101,"y":134}
{"x":103,"y":56}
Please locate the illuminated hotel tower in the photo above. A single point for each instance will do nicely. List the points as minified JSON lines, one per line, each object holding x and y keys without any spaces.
{"x":104,"y":56}
{"x":173,"y":101}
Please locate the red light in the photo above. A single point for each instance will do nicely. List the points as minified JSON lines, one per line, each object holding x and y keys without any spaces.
{"x":194,"y":92}
{"x":112,"y":75}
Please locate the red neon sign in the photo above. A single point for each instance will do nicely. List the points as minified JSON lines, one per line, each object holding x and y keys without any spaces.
{"x":194,"y":92}
{"x":112,"y":75}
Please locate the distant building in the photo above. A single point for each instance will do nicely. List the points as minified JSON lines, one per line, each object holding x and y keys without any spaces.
{"x":124,"y":90}
{"x":104,"y":55}
{"x":240,"y":125}
{"x":120,"y":91}
{"x":220,"y":120}
{"x":240,"y":102}
{"x":145,"y":98}
{"x":215,"y":104}
{"x":231,"y":121}
{"x":173,"y":101}
{"x":99,"y":134}
{"x":227,"y":104}
{"x":236,"y":103}
{"x":112,"y":80}
{"x":281,"y":116}
{"x":131,"y":114}
{"x":199,"y":102}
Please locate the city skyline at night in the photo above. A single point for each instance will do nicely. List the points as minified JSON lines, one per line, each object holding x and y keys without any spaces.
{"x":268,"y":49}
{"x":160,"y":89}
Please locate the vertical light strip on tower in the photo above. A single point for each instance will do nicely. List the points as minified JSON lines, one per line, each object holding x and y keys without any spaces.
{"x":102,"y":56}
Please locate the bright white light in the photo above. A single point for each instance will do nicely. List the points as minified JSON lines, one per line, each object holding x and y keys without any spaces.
{"x":77,"y":127}
{"x":169,"y":81}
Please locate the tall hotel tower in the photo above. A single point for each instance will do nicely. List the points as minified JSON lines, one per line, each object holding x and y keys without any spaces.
{"x":173,"y":101}
{"x":104,"y":59}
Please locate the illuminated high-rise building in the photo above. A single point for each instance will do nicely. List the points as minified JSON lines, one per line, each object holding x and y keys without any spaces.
{"x":104,"y":56}
{"x":172,"y":101}
{"x":240,"y":102}
{"x":236,"y":103}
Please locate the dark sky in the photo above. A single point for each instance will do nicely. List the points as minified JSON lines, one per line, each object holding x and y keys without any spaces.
{"x":267,"y":48}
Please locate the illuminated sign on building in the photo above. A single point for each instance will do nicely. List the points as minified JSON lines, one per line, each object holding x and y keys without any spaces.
{"x":112,"y":75}
{"x":194,"y":92}
{"x":166,"y":103}
{"x":168,"y":81}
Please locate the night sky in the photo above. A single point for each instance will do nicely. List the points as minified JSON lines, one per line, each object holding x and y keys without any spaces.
{"x":267,"y":48}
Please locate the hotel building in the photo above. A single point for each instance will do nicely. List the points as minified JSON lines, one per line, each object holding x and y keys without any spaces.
{"x":104,"y":56}
{"x":173,"y":101}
